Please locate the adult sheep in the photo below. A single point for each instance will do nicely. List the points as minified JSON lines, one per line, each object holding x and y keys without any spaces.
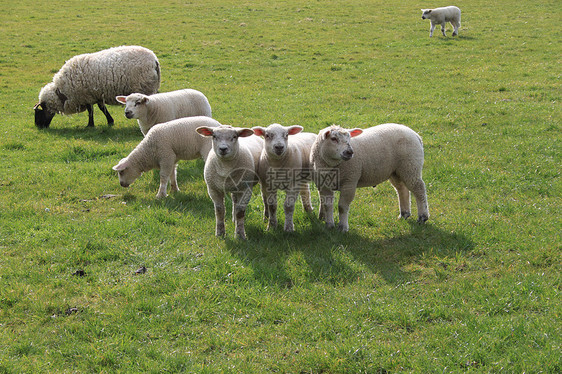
{"x":97,"y":78}
{"x":343,"y":160}
{"x":440,"y":16}
{"x":149,"y":110}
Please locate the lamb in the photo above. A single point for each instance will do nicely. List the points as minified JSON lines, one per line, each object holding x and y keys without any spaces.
{"x":164,"y":107}
{"x":96,"y":78}
{"x":285,"y":165}
{"x":440,"y":16}
{"x":343,"y":160}
{"x":162,"y":148}
{"x":231,"y":168}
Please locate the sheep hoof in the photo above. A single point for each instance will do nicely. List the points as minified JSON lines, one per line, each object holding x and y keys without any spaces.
{"x":422,"y":219}
{"x":404,"y":215}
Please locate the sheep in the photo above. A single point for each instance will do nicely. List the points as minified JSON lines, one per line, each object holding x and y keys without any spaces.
{"x":343,"y":160}
{"x":284,"y":165}
{"x":231,"y":168}
{"x":162,"y":148}
{"x":96,"y":78}
{"x":164,"y":107}
{"x":440,"y":16}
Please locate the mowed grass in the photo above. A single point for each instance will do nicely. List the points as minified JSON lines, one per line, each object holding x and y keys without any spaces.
{"x":476,"y":289}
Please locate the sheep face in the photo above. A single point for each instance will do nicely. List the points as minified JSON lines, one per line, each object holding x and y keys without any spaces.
{"x":336,"y":144}
{"x":43,"y":116}
{"x":127,"y":173}
{"x":135,"y":105}
{"x":426,"y":13}
{"x":225,"y":139}
{"x":276,"y":138}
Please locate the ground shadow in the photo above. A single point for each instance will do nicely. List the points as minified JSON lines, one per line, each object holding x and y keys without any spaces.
{"x":100,"y":133}
{"x":328,"y":252}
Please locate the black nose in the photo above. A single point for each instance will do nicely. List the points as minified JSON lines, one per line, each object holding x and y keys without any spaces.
{"x":347,"y":154}
{"x":128,"y":114}
{"x":279,"y":149}
{"x":223,"y":150}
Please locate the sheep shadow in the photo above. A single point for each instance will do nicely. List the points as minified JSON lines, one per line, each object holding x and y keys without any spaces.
{"x":100,"y":133}
{"x":337,"y":258}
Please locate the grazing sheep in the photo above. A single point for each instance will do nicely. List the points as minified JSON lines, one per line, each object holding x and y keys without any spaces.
{"x":285,"y":165}
{"x":164,"y":107}
{"x":231,"y":168}
{"x":440,"y":16}
{"x":96,"y":78}
{"x":162,"y":148}
{"x":344,"y":160}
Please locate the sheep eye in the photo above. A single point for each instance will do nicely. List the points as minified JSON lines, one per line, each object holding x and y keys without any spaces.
{"x":334,"y":139}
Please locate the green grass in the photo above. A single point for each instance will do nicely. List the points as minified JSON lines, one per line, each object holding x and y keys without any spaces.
{"x":476,"y":289}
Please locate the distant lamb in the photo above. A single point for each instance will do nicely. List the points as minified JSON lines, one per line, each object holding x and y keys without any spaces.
{"x":164,"y":107}
{"x":97,"y":78}
{"x":231,"y":168}
{"x":344,"y":160}
{"x":440,"y":16}
{"x":285,"y":165}
{"x":162,"y":148}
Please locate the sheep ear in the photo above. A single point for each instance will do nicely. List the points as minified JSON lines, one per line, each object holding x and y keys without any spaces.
{"x":61,"y":96}
{"x":144,"y":100}
{"x":204,"y":131}
{"x":38,"y":107}
{"x":245,"y":132}
{"x":122,"y":165}
{"x":353,"y":133}
{"x":295,"y":130}
{"x":259,"y":131}
{"x":327,"y":134}
{"x":121,"y":99}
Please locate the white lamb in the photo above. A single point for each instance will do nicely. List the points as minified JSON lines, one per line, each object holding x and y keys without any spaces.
{"x":440,"y":16}
{"x":285,"y":165}
{"x":96,"y":78}
{"x":344,"y":160}
{"x":231,"y":168}
{"x":162,"y":148}
{"x":164,"y":107}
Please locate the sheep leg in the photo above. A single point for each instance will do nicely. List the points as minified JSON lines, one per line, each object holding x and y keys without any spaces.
{"x":289,"y":208}
{"x":431,"y":29}
{"x":346,"y":197}
{"x":443,"y":28}
{"x":240,"y":201}
{"x":305,"y":197}
{"x":403,"y":196}
{"x":456,"y":26}
{"x":218,"y":201}
{"x":419,"y":191}
{"x":173,"y":180}
{"x":167,"y":171}
{"x":271,"y":203}
{"x":104,"y":110}
{"x":327,"y":207}
{"x":264,"y":195}
{"x":90,"y":115}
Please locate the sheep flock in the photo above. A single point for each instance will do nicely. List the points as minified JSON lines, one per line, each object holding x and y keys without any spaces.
{"x":178,"y":126}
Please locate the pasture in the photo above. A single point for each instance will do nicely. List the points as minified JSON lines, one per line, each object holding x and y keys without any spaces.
{"x":476,"y":289}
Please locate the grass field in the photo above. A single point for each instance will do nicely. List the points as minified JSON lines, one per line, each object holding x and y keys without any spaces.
{"x":476,"y":289}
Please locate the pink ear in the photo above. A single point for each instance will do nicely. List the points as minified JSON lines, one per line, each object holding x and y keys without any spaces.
{"x":259,"y":131}
{"x":327,"y":134}
{"x":204,"y":131}
{"x":245,"y":132}
{"x":295,"y":130}
{"x":355,"y":132}
{"x":121,"y":99}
